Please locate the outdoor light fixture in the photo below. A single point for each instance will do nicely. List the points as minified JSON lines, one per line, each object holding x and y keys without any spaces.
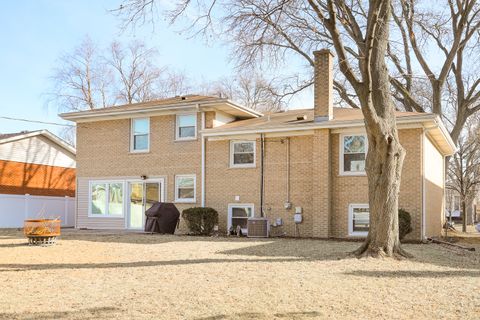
{"x":143,"y":177}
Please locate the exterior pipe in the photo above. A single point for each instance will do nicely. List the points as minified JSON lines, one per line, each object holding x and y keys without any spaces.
{"x":203,"y":163}
{"x":262,"y":184}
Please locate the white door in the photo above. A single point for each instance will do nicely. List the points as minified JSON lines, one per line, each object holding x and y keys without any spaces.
{"x":142,"y":195}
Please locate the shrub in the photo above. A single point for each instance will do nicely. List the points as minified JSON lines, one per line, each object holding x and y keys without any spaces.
{"x":404,"y":223}
{"x":199,"y":220}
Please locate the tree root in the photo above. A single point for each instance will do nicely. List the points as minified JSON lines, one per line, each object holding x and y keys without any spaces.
{"x":367,"y":250}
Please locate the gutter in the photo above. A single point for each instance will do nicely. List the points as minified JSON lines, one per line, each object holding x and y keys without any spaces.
{"x":203,"y":163}
{"x":319,"y":125}
{"x":142,"y":109}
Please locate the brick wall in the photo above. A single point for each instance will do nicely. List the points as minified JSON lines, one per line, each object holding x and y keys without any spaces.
{"x":35,"y":179}
{"x":311,"y":160}
{"x":103,"y":152}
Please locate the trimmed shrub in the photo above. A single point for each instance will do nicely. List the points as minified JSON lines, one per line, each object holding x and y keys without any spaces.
{"x":404,"y":223}
{"x":200,"y":221}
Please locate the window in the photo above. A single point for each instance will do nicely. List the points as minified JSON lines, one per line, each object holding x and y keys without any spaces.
{"x":185,"y":188}
{"x":106,"y":199}
{"x":140,"y":135}
{"x":242,"y":154}
{"x":238,"y":215}
{"x":359,"y":219}
{"x":352,"y":154}
{"x":186,"y":126}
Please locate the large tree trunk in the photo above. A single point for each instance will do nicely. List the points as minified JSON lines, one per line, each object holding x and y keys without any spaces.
{"x":384,"y":168}
{"x":385,"y":154}
{"x":464,"y":215}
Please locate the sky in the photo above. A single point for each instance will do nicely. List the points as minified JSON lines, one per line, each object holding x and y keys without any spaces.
{"x":35,"y":33}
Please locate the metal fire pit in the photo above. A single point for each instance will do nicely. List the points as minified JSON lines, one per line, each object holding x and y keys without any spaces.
{"x":42,"y":231}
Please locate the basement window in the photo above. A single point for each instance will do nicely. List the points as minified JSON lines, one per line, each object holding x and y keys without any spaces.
{"x":238,"y":215}
{"x":353,"y":149}
{"x":242,"y":154}
{"x":358,"y":220}
{"x":106,"y":199}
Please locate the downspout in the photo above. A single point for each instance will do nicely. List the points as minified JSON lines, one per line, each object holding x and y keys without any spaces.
{"x":262,"y":184}
{"x":424,"y":194}
{"x":203,"y":163}
{"x":288,"y":170}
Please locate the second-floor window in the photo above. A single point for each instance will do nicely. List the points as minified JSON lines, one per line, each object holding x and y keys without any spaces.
{"x":242,"y":154}
{"x":353,"y":149}
{"x":186,"y":127}
{"x":140,"y":137}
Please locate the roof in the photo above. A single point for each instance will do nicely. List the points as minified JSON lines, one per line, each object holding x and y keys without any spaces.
{"x":9,"y":137}
{"x":303,"y":119}
{"x":164,"y":105}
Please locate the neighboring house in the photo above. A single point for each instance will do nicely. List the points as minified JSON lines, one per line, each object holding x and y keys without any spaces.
{"x":37,"y":173}
{"x":206,"y":151}
{"x":454,"y":207}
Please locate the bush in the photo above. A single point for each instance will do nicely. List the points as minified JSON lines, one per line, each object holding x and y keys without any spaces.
{"x":199,"y":220}
{"x":404,"y":223}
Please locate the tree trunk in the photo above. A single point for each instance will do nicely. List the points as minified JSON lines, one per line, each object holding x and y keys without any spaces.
{"x":385,"y":154}
{"x":464,"y":215}
{"x":384,"y":167}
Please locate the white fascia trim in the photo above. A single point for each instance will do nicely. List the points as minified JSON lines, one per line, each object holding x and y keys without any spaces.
{"x":326,"y":125}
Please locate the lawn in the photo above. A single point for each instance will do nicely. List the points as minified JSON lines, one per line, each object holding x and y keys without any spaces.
{"x":105,"y":275}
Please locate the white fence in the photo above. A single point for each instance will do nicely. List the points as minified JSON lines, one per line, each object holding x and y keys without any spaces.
{"x":16,"y":208}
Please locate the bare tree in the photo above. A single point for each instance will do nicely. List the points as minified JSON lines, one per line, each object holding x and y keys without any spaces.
{"x":136,"y":74}
{"x":250,"y":89}
{"x":464,"y":170}
{"x":80,"y":81}
{"x":359,"y":33}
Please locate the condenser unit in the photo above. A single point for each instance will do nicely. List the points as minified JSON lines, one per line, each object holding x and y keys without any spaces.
{"x":257,"y":228}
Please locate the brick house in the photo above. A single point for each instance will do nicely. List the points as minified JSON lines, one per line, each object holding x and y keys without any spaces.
{"x":36,"y":167}
{"x":207,"y":151}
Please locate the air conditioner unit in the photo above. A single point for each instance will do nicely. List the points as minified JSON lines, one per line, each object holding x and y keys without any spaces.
{"x":257,"y":228}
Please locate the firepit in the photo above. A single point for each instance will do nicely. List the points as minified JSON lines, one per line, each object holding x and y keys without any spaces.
{"x":42,"y":231}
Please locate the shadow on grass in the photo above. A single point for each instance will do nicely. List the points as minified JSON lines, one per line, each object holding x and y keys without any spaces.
{"x":415,"y":274}
{"x":9,"y":267}
{"x":82,"y":314}
{"x":258,"y":315}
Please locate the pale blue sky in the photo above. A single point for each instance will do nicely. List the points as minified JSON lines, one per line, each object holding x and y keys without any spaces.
{"x":35,"y":33}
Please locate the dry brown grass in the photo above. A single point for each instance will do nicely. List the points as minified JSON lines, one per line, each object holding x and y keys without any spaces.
{"x":100,"y":275}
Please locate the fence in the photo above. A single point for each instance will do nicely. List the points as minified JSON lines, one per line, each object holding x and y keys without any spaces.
{"x":14,"y":209}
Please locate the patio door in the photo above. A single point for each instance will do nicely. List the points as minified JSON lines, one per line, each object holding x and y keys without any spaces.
{"x":142,"y":195}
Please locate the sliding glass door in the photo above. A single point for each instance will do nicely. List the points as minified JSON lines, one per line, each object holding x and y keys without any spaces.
{"x":142,"y":195}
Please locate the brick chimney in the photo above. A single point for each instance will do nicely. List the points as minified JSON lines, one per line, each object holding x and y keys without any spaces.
{"x":323,"y":85}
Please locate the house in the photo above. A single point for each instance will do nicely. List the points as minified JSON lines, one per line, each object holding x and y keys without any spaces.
{"x":207,"y":151}
{"x":37,"y":178}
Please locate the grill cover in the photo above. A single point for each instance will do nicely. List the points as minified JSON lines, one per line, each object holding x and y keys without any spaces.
{"x":162,"y":217}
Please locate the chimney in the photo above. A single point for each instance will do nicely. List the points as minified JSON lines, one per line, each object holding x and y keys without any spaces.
{"x":323,"y":85}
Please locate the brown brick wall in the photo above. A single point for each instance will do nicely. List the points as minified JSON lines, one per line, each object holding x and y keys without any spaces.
{"x":354,"y":189}
{"x":309,"y":183}
{"x":224,"y":183}
{"x":35,"y":179}
{"x":103,"y":151}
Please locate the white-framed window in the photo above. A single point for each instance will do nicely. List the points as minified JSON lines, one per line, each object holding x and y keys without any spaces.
{"x":238,"y":214}
{"x":185,"y":187}
{"x":353,"y":151}
{"x":140,"y":135}
{"x":242,"y":154}
{"x":186,"y":126}
{"x":106,"y":199}
{"x":358,"y":219}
